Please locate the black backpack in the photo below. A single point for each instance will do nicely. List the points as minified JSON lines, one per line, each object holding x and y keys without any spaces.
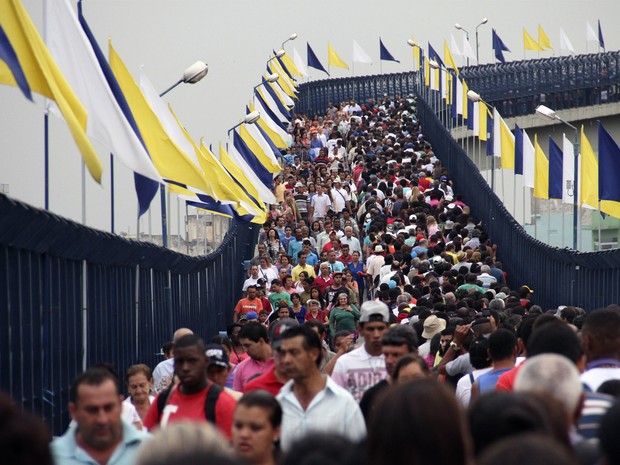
{"x":212,"y":395}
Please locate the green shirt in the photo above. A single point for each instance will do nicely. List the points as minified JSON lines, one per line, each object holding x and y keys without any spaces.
{"x":275,"y":298}
{"x":343,"y":320}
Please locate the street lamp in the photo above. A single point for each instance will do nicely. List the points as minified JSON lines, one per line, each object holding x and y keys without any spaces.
{"x":461,"y":28}
{"x":279,"y":54}
{"x":475,"y":97}
{"x":413,"y":44}
{"x":293,"y":36}
{"x":484,"y":21}
{"x":551,"y":114}
{"x":250,"y":118}
{"x":191,"y":75}
{"x":271,"y":78}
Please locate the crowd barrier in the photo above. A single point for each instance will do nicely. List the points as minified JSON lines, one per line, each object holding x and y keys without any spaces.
{"x":72,"y":296}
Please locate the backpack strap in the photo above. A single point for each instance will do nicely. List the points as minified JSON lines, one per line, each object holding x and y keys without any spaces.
{"x":212,"y":395}
{"x":162,"y":400}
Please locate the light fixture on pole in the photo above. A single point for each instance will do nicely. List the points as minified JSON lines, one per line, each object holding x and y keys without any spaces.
{"x":413,"y":44}
{"x":461,"y":28}
{"x":250,"y":118}
{"x":484,"y":21}
{"x":279,"y":54}
{"x":293,"y":36}
{"x":191,"y":75}
{"x":271,"y":78}
{"x":551,"y":114}
{"x":475,"y":97}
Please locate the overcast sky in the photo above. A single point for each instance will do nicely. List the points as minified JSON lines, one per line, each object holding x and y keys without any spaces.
{"x":235,"y":38}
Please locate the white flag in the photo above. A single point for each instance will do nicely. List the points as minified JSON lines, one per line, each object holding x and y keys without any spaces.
{"x":476,"y":117}
{"x":459,"y":97}
{"x":271,"y":124}
{"x":497,"y":136}
{"x":301,"y":66}
{"x":591,"y":36}
{"x":454,"y":48}
{"x":263,"y":192}
{"x":468,"y":52}
{"x":568,"y":170}
{"x":565,"y":42}
{"x":360,"y":55}
{"x":528,"y":161}
{"x":76,"y":59}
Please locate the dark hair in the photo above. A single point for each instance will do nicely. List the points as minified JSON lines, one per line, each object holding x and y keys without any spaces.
{"x":399,"y":335}
{"x":316,"y":324}
{"x":167,"y":348}
{"x":254,"y":331}
{"x":601,"y":328}
{"x":408,"y":360}
{"x":479,"y":352}
{"x":557,"y":338}
{"x":499,"y":414}
{"x":265,"y":400}
{"x":311,"y":339}
{"x":24,"y":438}
{"x":92,"y":377}
{"x":423,"y":415}
{"x":608,"y":434}
{"x":223,"y":341}
{"x":502,"y":343}
{"x":527,"y":448}
{"x":316,"y":448}
{"x":190,"y":340}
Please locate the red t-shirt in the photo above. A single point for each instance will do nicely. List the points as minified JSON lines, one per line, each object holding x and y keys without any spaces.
{"x":246,"y":305}
{"x":192,"y":407}
{"x":506,"y":381}
{"x":266,"y":381}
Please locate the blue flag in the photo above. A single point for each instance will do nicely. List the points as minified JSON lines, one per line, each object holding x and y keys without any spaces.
{"x":253,"y":162}
{"x":601,"y":41}
{"x":608,"y":166}
{"x":555,"y":170}
{"x":8,"y":55}
{"x":269,"y":111}
{"x":470,"y":114}
{"x":433,"y":55}
{"x":499,"y":47}
{"x":518,"y":150}
{"x":384,"y":55}
{"x":285,"y":111}
{"x":225,"y":210}
{"x":146,"y":188}
{"x":313,"y":61}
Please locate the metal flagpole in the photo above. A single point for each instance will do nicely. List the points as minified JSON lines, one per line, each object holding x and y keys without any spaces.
{"x":112,"y":193}
{"x":83,"y":193}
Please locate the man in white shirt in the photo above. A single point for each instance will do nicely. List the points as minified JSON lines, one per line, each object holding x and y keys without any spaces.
{"x":164,"y":371}
{"x":311,"y":401}
{"x":320,"y":204}
{"x":352,"y":241}
{"x":365,"y":366}
{"x":340,"y":197}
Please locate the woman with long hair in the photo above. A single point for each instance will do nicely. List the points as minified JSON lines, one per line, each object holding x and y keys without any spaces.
{"x":273,"y":245}
{"x":350,"y":283}
{"x":298,"y":309}
{"x":358,"y":271}
{"x":317,"y":294}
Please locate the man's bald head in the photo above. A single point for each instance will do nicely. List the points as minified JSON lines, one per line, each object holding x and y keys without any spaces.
{"x":179,"y":333}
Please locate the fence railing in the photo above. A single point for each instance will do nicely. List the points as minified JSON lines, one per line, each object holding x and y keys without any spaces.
{"x":71,"y":296}
{"x":514,"y":88}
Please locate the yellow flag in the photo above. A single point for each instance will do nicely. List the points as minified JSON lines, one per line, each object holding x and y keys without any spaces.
{"x":543,"y":38}
{"x":35,"y":65}
{"x":333,"y":59}
{"x":465,"y":100}
{"x":285,"y":82}
{"x":171,"y":162}
{"x":483,"y":113}
{"x":416,"y":56}
{"x":541,"y":172}
{"x":236,"y":172}
{"x":276,"y":138}
{"x":588,"y":179}
{"x":507,"y":140}
{"x":530,"y":44}
{"x":447,"y":57}
{"x":427,"y":73}
{"x":290,"y":65}
{"x":260,"y":149}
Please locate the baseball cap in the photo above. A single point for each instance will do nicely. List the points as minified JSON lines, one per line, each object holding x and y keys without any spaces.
{"x":371,"y":307}
{"x":216,"y":355}
{"x":277,"y":329}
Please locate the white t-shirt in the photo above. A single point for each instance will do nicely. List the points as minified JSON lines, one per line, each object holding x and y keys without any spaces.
{"x":594,"y":377}
{"x":321,"y":204}
{"x":463,"y":387}
{"x":358,"y":370}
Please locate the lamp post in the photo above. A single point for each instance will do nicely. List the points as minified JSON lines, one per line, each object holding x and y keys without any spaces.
{"x":278,"y":54}
{"x":413,"y":44}
{"x":191,"y":75}
{"x":484,"y":21}
{"x":293,"y":36}
{"x":461,"y":28}
{"x":551,"y":114}
{"x":271,"y":78}
{"x":250,"y":118}
{"x":475,"y":97}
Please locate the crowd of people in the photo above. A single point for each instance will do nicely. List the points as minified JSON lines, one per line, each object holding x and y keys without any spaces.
{"x":376,"y":326}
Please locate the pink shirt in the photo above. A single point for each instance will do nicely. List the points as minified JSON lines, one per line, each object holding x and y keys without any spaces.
{"x":247,"y":370}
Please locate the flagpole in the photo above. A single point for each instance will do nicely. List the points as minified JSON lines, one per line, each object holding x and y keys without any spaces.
{"x":514,"y":194}
{"x":83,"y":192}
{"x":599,"y":224}
{"x":112,"y":193}
{"x":46,"y":164}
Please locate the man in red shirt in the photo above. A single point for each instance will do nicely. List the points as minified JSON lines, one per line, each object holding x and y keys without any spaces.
{"x":251,"y":303}
{"x":188,"y":400}
{"x":275,"y":378}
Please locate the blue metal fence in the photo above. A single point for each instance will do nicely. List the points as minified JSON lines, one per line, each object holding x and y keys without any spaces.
{"x":514,"y":88}
{"x":71,"y":296}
